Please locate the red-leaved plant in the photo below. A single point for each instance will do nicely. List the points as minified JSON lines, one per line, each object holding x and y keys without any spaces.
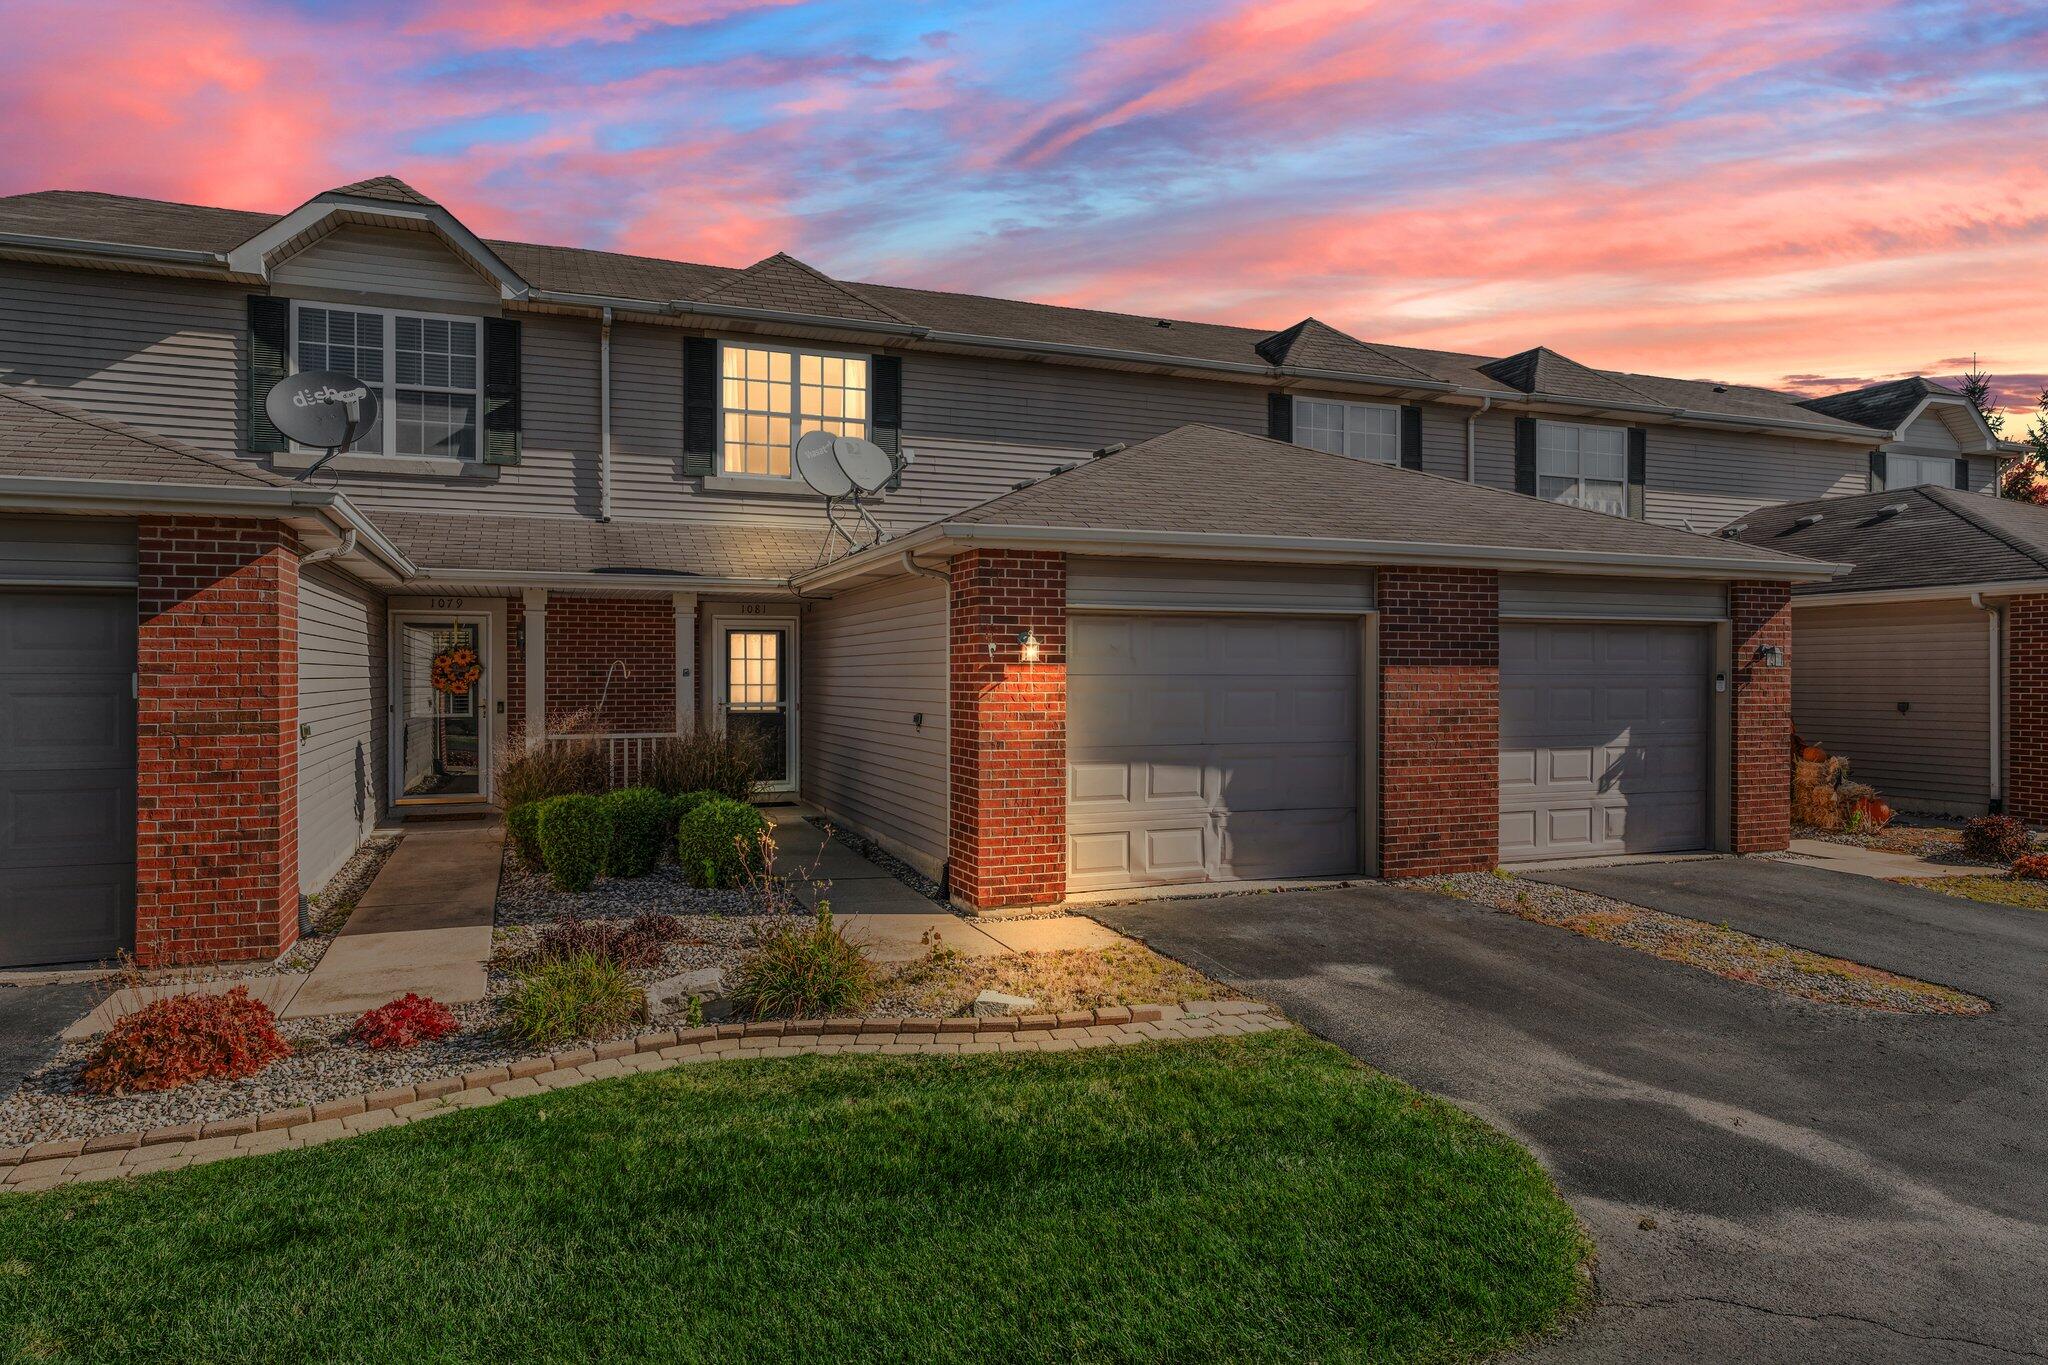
{"x":407,"y":1021}
{"x":2032,"y":867}
{"x":185,"y":1038}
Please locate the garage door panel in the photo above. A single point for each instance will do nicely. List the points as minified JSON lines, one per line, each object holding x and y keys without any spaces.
{"x":67,"y":776}
{"x":1200,"y":746}
{"x":1603,"y":739}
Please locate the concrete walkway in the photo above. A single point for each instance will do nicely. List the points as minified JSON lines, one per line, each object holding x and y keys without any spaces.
{"x":896,"y":924}
{"x":424,"y":925}
{"x":1871,"y":862}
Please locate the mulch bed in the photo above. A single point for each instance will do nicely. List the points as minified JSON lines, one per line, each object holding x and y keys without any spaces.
{"x":1725,"y":952}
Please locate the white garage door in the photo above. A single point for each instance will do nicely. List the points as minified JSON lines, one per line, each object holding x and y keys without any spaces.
{"x":1206,"y":748}
{"x":1603,"y":739}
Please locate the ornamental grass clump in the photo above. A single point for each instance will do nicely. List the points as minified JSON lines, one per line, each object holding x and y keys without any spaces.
{"x":804,"y":971}
{"x":719,"y":761}
{"x":582,"y":996}
{"x":1996,"y":838}
{"x":640,"y":830}
{"x":408,"y":1021}
{"x":557,"y":768}
{"x":186,"y":1038}
{"x":719,"y":842}
{"x":575,"y":835}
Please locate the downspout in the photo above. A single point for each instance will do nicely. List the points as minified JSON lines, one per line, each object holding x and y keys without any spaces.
{"x":910,"y":565}
{"x":343,"y":550}
{"x":1997,"y":793}
{"x":1472,"y":440}
{"x":604,"y":417}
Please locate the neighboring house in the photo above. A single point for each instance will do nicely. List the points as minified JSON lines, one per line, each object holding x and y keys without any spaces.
{"x":1927,"y":664}
{"x":582,"y":476}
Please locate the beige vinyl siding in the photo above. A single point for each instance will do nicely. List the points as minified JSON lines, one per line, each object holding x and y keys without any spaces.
{"x":162,"y":354}
{"x":1853,"y":665}
{"x":1709,"y":478}
{"x":1929,"y":433}
{"x":873,"y":660}
{"x":342,"y":686}
{"x":67,"y":550}
{"x":381,"y":261}
{"x":1019,"y":403}
{"x":1570,"y":597}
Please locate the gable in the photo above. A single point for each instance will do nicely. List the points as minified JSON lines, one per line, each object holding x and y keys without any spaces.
{"x":1929,"y":432}
{"x":402,"y":264}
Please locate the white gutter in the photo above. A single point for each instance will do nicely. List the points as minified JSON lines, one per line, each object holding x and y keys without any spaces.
{"x":1472,"y":440}
{"x":99,"y":497}
{"x":2019,"y":587}
{"x":604,"y":417}
{"x":1997,"y":736}
{"x":341,"y":550}
{"x":910,"y":565}
{"x":583,"y":580}
{"x":79,"y":246}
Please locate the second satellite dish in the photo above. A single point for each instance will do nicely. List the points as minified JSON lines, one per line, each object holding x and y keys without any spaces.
{"x":820,"y":467}
{"x":866,"y":463}
{"x":326,"y":409}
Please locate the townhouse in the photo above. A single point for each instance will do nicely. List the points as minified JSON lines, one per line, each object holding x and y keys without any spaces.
{"x":1162,"y":601}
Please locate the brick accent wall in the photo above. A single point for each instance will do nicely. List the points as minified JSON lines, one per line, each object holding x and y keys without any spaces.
{"x":1008,"y":840}
{"x":585,"y":635}
{"x":1760,"y":773}
{"x":216,"y":741}
{"x":1439,"y":702}
{"x":2026,"y":708}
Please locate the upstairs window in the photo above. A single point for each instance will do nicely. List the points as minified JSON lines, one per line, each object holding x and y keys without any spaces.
{"x":771,"y":396}
{"x":426,"y":371}
{"x":1364,"y":431}
{"x":1911,"y":471}
{"x":1583,"y":466}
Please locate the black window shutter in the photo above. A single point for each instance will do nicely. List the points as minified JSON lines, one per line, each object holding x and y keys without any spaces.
{"x":1280,"y":416}
{"x":1962,"y":476}
{"x":1877,"y":471}
{"x":501,"y":391}
{"x":700,"y":406}
{"x":269,"y":360}
{"x":885,"y":403}
{"x":1525,"y":455}
{"x":1411,"y":437}
{"x":1638,"y":469}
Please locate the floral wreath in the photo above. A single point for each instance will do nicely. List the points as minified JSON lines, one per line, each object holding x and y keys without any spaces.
{"x":456,"y":670}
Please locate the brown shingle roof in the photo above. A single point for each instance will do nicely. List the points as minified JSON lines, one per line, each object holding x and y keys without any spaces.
{"x":543,"y":545}
{"x":1880,"y":405}
{"x":1205,"y":480}
{"x":43,"y":438}
{"x":386,"y":187}
{"x":783,"y":282}
{"x":1313,"y":344}
{"x":1542,"y":370}
{"x":1940,"y":537}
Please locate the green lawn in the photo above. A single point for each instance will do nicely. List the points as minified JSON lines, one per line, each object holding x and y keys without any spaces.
{"x":1249,"y":1199}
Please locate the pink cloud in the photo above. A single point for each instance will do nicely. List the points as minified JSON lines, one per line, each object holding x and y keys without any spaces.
{"x":553,"y":23}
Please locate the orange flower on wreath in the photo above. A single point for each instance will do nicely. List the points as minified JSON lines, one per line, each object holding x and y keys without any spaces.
{"x":456,"y":671}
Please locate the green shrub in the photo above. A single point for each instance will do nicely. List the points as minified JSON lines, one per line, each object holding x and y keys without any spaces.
{"x":522,"y":827}
{"x":805,"y":972}
{"x":640,"y":825}
{"x":716,"y":761}
{"x":575,"y":837}
{"x":718,"y":841}
{"x":570,"y":768}
{"x":679,"y":806}
{"x":574,"y":997}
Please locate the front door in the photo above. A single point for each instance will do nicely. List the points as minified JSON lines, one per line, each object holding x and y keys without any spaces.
{"x":441,"y":750}
{"x":757,"y":677}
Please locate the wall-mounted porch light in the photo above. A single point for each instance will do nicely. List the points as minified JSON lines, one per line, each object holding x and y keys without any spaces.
{"x":1027,"y":647}
{"x":1769,"y":656}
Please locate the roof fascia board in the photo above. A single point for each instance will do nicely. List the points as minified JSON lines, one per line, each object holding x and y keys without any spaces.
{"x":1990,"y":439}
{"x":103,"y":497}
{"x":576,"y":580}
{"x":252,"y":256}
{"x":2022,"y":587}
{"x":29,"y":241}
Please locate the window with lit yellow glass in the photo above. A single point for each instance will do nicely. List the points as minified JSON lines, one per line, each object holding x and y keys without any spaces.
{"x":771,"y":396}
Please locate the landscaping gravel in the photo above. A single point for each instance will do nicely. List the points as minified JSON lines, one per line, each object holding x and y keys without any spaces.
{"x":1937,"y":843}
{"x":1713,"y":948}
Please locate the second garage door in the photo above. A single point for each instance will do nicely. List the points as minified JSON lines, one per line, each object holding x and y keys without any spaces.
{"x":1211,"y":748}
{"x":1603,"y":739}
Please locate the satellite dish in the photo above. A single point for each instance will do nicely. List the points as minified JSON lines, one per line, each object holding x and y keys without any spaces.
{"x":866,"y":463}
{"x":327,"y":409}
{"x":815,"y":460}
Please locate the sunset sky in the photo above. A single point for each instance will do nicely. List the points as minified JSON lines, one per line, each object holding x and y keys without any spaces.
{"x":1803,"y":193}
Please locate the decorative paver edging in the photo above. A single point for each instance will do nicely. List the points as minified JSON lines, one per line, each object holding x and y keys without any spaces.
{"x":73,"y":1160}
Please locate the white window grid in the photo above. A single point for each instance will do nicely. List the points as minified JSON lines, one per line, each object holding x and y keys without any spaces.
{"x":770,"y":395}
{"x":753,"y":670}
{"x":426,"y":367}
{"x":1584,"y":466}
{"x":1364,"y":431}
{"x":1912,"y":471}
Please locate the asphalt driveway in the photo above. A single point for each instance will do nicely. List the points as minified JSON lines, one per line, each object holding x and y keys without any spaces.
{"x":31,"y":1017}
{"x":1766,"y":1179}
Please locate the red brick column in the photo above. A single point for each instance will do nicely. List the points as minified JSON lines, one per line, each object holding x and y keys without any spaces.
{"x":2026,"y":708}
{"x":1439,"y":685}
{"x":1761,"y":733}
{"x":1008,"y":842}
{"x":217,"y":709}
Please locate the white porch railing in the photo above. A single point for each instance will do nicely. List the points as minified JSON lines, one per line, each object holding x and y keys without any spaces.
{"x":626,"y":756}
